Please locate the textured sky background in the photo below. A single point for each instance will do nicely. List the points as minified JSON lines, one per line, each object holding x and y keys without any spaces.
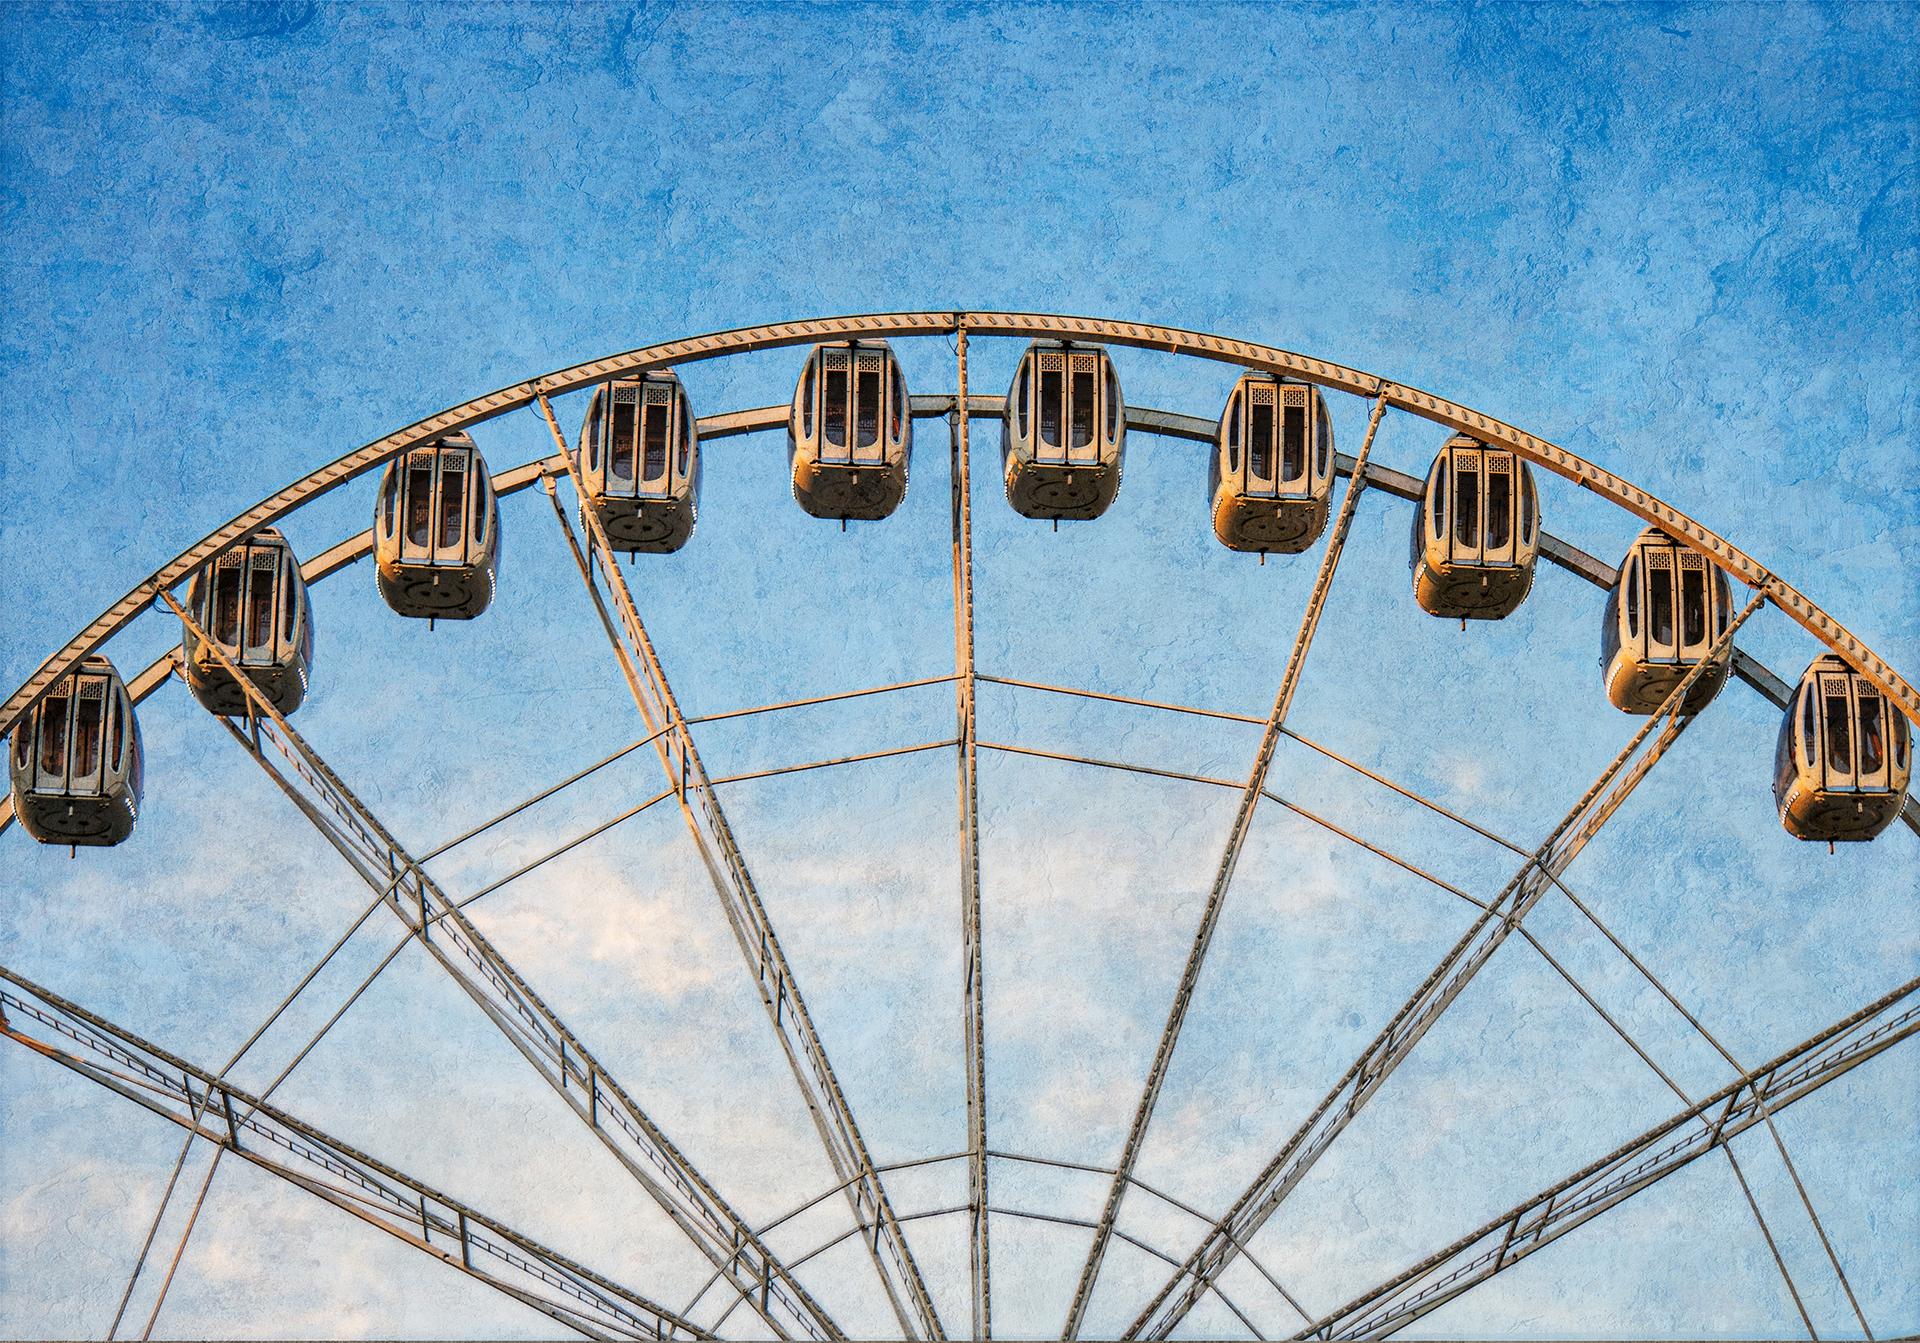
{"x":1680,"y":240}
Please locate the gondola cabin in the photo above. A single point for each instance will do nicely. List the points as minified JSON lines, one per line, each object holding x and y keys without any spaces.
{"x":1664,"y":611}
{"x":1476,"y":533}
{"x":76,"y":760}
{"x":252,"y":603}
{"x":1844,"y":759}
{"x":1272,"y":472}
{"x":850,"y":431}
{"x":1064,"y":432}
{"x":640,"y":459}
{"x":436,"y":529}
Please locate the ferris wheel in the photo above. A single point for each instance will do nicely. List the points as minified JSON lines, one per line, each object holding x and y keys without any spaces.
{"x":625,"y":491}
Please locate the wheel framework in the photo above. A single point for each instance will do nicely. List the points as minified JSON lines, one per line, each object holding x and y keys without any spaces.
{"x":695,"y":793}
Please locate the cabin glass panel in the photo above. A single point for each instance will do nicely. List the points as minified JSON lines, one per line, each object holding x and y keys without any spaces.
{"x":1466,"y":502}
{"x":54,"y":711}
{"x":1873,"y":739}
{"x":1660,"y":599}
{"x":1499,"y":505}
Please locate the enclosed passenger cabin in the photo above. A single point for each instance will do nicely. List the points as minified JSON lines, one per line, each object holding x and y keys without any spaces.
{"x":436,"y":532}
{"x":252,"y":603}
{"x":1272,"y":472}
{"x":76,"y":760}
{"x":1665,"y":609}
{"x":1844,"y":759}
{"x":1476,"y":533}
{"x":640,"y":459}
{"x":1064,"y":432}
{"x":850,"y":431}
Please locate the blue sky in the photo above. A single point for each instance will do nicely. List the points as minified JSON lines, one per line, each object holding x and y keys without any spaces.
{"x":1676,"y":239}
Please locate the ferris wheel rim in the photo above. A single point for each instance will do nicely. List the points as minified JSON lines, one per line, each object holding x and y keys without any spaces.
{"x":1718,"y":551}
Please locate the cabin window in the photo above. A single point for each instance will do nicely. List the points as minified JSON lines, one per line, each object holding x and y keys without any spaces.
{"x":1899,"y":741}
{"x":1293,"y":444}
{"x":1084,"y":403}
{"x":1723,"y":602}
{"x":226,"y":605}
{"x":1499,"y":509}
{"x":1260,"y":440}
{"x":1049,"y":417}
{"x":482,"y":491}
{"x":1839,"y":743}
{"x":595,"y":427}
{"x":1113,"y":404}
{"x":1323,"y":435}
{"x":1526,"y":507}
{"x":1233,"y":437}
{"x":867,"y":407}
{"x":388,"y":497}
{"x":655,"y":432}
{"x":625,"y":438}
{"x":686,"y":441}
{"x":1466,"y":504}
{"x":289,"y":602}
{"x":1633,"y":596}
{"x":1020,"y":402}
{"x":86,"y":736}
{"x":53,"y":735}
{"x":453,"y":502}
{"x":806,"y":399}
{"x":1693,"y":605}
{"x":419,"y":503}
{"x":833,"y":412}
{"x":1873,"y":740}
{"x":899,"y":406}
{"x":115,"y":719}
{"x":259,"y":627}
{"x":1437,"y":500}
{"x":22,"y":743}
{"x":1806,"y":725}
{"x":1660,"y":602}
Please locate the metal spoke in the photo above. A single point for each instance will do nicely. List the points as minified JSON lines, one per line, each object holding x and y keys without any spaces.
{"x":1223,"y":877}
{"x":472,"y":1242}
{"x":720,"y":853}
{"x":555,"y":1052}
{"x":1441,"y":987}
{"x":972,"y":964}
{"x":1695,"y":1131}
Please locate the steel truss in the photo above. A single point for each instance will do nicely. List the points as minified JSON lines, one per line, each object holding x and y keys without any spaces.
{"x":477,"y":1245}
{"x":555,"y":1052}
{"x":752,"y":927}
{"x":1689,"y":1135}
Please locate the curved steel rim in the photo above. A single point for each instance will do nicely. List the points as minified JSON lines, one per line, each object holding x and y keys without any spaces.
{"x":1173,"y":340}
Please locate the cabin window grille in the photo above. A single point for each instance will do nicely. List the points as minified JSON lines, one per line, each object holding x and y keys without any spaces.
{"x":53,"y":734}
{"x":1693,"y":600}
{"x":1839,"y":745}
{"x":654,"y":434}
{"x":1260,"y":437}
{"x":1293,"y":434}
{"x":867,"y":396}
{"x":1873,"y":751}
{"x":1084,"y":401}
{"x":453,"y":490}
{"x":419,"y":500}
{"x":87,"y":730}
{"x":1466,"y":503}
{"x":225,"y":600}
{"x":1499,"y":505}
{"x":1660,"y":599}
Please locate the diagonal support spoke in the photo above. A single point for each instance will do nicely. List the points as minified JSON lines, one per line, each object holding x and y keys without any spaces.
{"x":1223,"y":877}
{"x":1687,"y":1136}
{"x":1436,"y":993}
{"x":378,"y":1194}
{"x":479,"y":968}
{"x":972,"y":967}
{"x":779,"y":992}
